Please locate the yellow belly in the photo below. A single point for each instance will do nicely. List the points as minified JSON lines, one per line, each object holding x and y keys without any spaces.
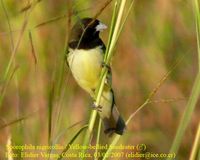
{"x":86,"y":67}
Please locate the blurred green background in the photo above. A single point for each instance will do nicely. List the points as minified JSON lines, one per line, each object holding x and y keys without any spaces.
{"x":157,"y":34}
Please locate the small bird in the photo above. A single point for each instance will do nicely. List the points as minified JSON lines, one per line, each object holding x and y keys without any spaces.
{"x":85,"y":59}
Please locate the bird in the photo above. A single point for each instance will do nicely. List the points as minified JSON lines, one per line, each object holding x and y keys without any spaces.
{"x":85,"y":58}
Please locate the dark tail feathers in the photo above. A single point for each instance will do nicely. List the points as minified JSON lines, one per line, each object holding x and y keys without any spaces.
{"x":115,"y":124}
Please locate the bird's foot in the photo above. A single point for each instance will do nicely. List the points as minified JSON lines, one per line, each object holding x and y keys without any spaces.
{"x":103,"y":64}
{"x":97,"y":107}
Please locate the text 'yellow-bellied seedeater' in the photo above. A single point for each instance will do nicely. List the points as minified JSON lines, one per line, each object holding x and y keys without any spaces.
{"x":85,"y":59}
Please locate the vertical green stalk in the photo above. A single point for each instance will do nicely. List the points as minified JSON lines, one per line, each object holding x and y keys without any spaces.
{"x":113,"y":37}
{"x":8,"y":70}
{"x":90,"y":127}
{"x":186,"y":115}
{"x":194,"y":94}
{"x":57,"y":83}
{"x":98,"y":139}
{"x":114,"y":142}
{"x":196,"y":145}
{"x":94,"y":112}
{"x":197,"y":14}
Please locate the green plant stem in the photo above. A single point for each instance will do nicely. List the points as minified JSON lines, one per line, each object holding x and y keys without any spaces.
{"x":9,"y":25}
{"x":197,"y":14}
{"x":113,"y":37}
{"x":194,"y":94}
{"x":116,"y":30}
{"x":98,"y":139}
{"x":186,"y":115}
{"x":8,"y":69}
{"x":196,"y":144}
{"x":71,"y":141}
{"x":90,"y":128}
{"x":114,"y":142}
{"x":98,"y":93}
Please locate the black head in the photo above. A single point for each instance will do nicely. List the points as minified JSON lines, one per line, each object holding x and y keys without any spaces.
{"x":85,"y":32}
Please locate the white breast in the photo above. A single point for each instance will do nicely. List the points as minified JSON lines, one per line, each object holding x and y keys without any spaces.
{"x":86,"y":67}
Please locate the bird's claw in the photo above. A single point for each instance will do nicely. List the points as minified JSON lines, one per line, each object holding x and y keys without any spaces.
{"x":97,"y":107}
{"x":103,"y":64}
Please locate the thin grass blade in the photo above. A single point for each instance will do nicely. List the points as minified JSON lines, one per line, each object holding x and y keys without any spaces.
{"x":71,"y":141}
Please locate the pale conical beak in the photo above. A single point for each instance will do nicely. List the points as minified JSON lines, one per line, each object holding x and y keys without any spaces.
{"x":100,"y":27}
